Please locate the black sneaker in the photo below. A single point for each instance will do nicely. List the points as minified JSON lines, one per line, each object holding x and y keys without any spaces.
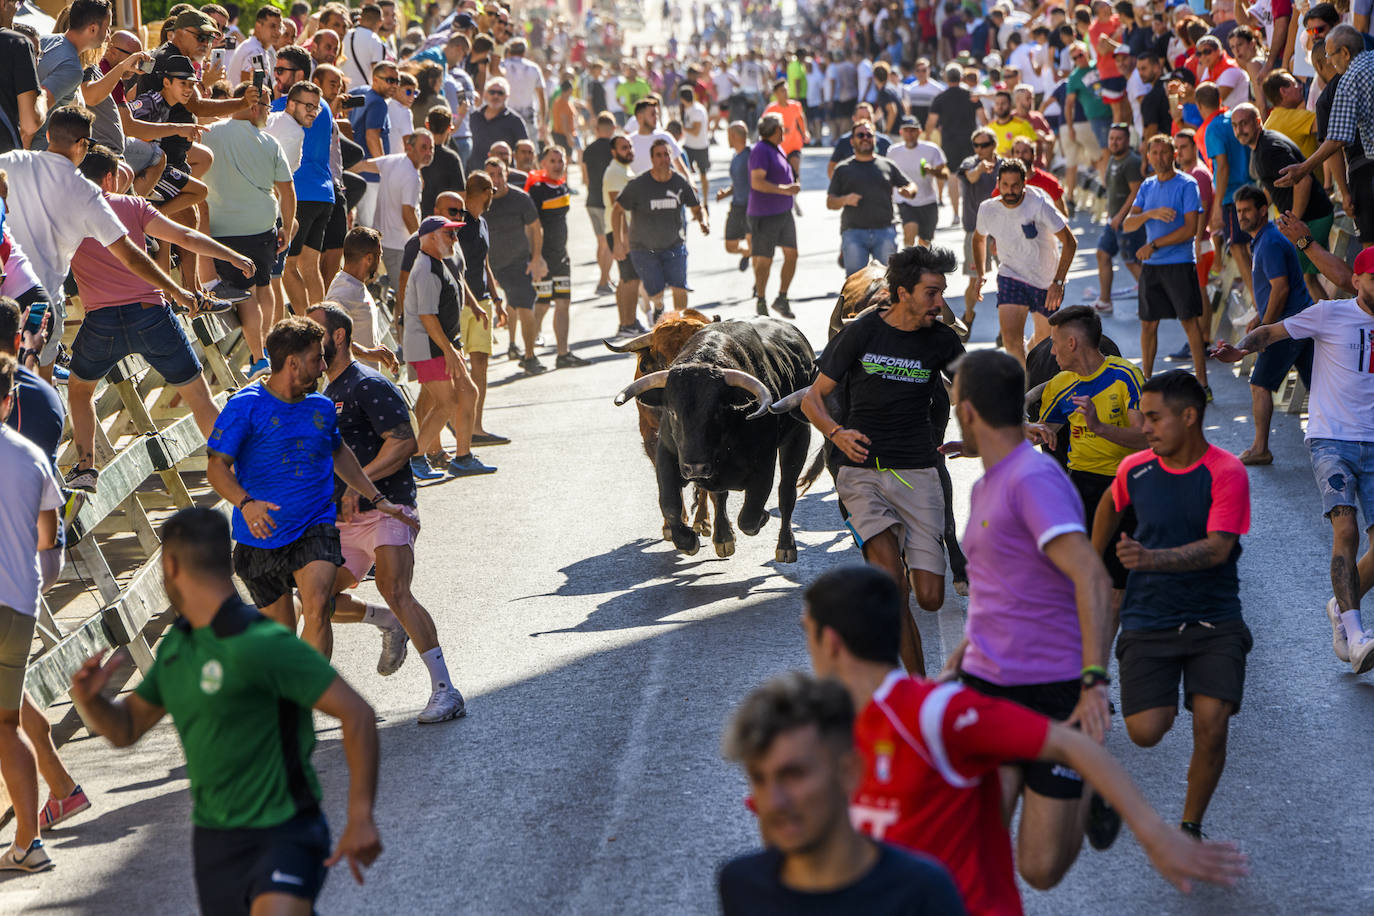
{"x":514,"y":355}
{"x":761,"y":306}
{"x":743,"y":263}
{"x":570,"y":361}
{"x":533,"y":366}
{"x":781,"y":307}
{"x":1104,"y":823}
{"x":1185,"y":355}
{"x":1194,"y":830}
{"x":83,"y":479}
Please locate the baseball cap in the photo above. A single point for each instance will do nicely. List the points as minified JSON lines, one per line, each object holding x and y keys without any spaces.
{"x":1184,"y":74}
{"x":195,"y":19}
{"x":176,"y":65}
{"x":1364,"y":262}
{"x":908,"y":121}
{"x":464,"y":21}
{"x":435,"y":223}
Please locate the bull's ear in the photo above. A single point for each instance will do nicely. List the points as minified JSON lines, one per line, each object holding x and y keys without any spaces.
{"x":715,"y":318}
{"x":652,"y":398}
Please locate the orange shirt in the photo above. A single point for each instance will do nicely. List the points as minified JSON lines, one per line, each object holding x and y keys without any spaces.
{"x":1106,"y":63}
{"x":793,"y":125}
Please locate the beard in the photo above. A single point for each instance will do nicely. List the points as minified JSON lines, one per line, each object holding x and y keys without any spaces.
{"x":330,"y":351}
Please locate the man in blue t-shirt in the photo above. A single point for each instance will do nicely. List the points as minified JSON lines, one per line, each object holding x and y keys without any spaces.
{"x":313,"y":179}
{"x":1279,"y":293}
{"x":1169,"y":206}
{"x":372,"y":128}
{"x":1230,"y":160}
{"x":273,"y":455}
{"x":737,"y":237}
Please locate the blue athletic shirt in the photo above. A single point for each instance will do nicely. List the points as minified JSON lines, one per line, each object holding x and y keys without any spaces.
{"x":283,"y":453}
{"x":1179,"y":194}
{"x":372,"y":114}
{"x":1275,"y":256}
{"x":313,"y":179}
{"x":739,"y":177}
{"x":1221,"y":140}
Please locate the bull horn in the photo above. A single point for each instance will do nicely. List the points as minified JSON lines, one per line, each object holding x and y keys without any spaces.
{"x":789,"y":403}
{"x":758,"y":389}
{"x":642,"y":384}
{"x":642,"y":342}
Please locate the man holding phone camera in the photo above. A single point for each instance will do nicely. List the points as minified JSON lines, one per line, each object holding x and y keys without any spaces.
{"x":259,"y":51}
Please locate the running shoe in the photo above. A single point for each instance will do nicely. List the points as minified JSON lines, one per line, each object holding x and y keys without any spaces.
{"x":1362,"y":653}
{"x":84,"y":479}
{"x":61,"y":373}
{"x":33,"y":859}
{"x":394,"y":642}
{"x":780,"y":306}
{"x":231,"y":294}
{"x":1104,"y":823}
{"x":259,"y":368}
{"x":58,"y":810}
{"x":489,"y":439}
{"x":1338,"y":640}
{"x":570,"y":360}
{"x":1182,"y":355}
{"x":1102,"y":307}
{"x":540,"y":342}
{"x":468,"y":466}
{"x":513,"y":354}
{"x":444,"y":704}
{"x":533,"y":366}
{"x":626,"y":331}
{"x":761,"y":306}
{"x":420,"y":469}
{"x":214,"y":305}
{"x":605,"y":289}
{"x":743,"y":263}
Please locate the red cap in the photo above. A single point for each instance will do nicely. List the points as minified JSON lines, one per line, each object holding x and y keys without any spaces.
{"x":1364,"y":262}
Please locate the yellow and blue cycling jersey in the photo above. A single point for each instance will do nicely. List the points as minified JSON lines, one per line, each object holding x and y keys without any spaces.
{"x":1114,"y":389}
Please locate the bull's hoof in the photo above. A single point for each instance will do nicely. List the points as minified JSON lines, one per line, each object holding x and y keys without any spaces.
{"x":667,"y":532}
{"x":687,"y":542}
{"x":752,"y":530}
{"x":726,"y":549}
{"x":703,"y":527}
{"x":786,"y":555}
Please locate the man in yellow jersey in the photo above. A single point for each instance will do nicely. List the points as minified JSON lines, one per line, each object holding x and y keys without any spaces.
{"x":1098,"y":398}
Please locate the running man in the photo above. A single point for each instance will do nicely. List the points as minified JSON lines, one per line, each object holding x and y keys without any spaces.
{"x":548,"y":189}
{"x":737,"y":239}
{"x":240,"y":695}
{"x":773,"y":188}
{"x":931,"y":751}
{"x":1039,"y":600}
{"x":924,"y":163}
{"x":1340,"y":427}
{"x":890,"y":363}
{"x":1181,"y":616}
{"x":1030,"y":276}
{"x":1123,"y":181}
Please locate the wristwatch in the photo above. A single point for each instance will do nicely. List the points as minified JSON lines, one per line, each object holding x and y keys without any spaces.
{"x":1303,"y":242}
{"x":1093,"y":676}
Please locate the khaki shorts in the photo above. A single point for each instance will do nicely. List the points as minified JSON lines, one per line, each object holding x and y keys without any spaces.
{"x":598,"y":217}
{"x":879,"y":500}
{"x":475,"y":337}
{"x":1079,"y":144}
{"x":16,"y":642}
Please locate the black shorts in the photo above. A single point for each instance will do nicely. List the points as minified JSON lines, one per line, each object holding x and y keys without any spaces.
{"x":1272,"y":365}
{"x":172,"y":183}
{"x":1091,"y":488}
{"x":261,"y":249}
{"x":337,"y":229}
{"x":625,"y":267}
{"x":772,"y":232}
{"x":1362,"y":208}
{"x":841,"y":109}
{"x":1169,"y":291}
{"x":234,"y":867}
{"x":699,"y":158}
{"x":557,"y":283}
{"x":312,"y":221}
{"x":269,"y":572}
{"x":517,"y":285}
{"x":1055,"y":700}
{"x":926,"y":217}
{"x":1210,"y":659}
{"x":736,"y":222}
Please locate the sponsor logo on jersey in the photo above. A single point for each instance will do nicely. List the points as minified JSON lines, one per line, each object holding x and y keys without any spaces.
{"x":211,"y":677}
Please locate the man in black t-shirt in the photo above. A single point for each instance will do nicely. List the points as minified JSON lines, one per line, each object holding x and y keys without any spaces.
{"x":862,"y":188}
{"x":177,"y":190}
{"x":656,"y":238}
{"x":844,"y":147}
{"x":891,"y":363}
{"x":375,"y":422}
{"x":548,"y":189}
{"x":1154,"y":104}
{"x":954,"y":113}
{"x":815,"y":860}
{"x":517,"y":237}
{"x":595,"y":158}
{"x":19,"y":86}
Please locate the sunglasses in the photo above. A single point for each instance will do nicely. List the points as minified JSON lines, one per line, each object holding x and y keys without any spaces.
{"x":453,"y":211}
{"x":1317,"y":30}
{"x":495,"y":93}
{"x":863,"y":136}
{"x":983,"y":145}
{"x":392,"y":80}
{"x":280,"y":70}
{"x":411,"y":93}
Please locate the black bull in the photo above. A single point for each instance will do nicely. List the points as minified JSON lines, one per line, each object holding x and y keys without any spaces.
{"x":717,"y":430}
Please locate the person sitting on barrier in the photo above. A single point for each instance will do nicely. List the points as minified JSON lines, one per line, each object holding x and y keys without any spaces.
{"x":126,"y":315}
{"x":240,"y":695}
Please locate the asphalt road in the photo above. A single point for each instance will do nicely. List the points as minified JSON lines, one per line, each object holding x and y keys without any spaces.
{"x":599,"y":667}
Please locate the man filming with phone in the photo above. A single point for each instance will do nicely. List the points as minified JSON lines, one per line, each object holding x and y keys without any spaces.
{"x":192,"y":34}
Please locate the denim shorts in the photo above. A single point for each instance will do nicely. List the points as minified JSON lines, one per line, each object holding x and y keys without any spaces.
{"x":1345,"y":474}
{"x":660,"y":268}
{"x":109,"y":334}
{"x":859,"y":245}
{"x":1120,"y":242}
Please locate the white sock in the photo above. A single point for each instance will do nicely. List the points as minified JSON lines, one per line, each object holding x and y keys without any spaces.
{"x":438,"y":671}
{"x":1354,"y":630}
{"x":379,"y":615}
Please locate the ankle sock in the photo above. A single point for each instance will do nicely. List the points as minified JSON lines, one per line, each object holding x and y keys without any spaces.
{"x":380,"y":616}
{"x":1354,"y":629}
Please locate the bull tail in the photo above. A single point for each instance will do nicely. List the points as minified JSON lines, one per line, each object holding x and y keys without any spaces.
{"x":812,"y":473}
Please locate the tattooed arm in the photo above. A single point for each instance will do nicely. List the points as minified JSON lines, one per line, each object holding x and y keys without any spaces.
{"x":398,"y":446}
{"x":1204,"y":554}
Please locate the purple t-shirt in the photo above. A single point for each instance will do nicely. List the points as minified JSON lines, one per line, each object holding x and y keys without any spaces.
{"x":768,"y":157}
{"x":1022,"y":615}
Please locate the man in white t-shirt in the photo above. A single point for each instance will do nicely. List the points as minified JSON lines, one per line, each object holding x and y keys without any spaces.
{"x":923,"y":163}
{"x":398,"y":197}
{"x":527,"y":98}
{"x":259,"y":51}
{"x":647,"y":131}
{"x":696,"y":137}
{"x":1340,"y":439}
{"x":362,"y":49}
{"x":1030,"y":277}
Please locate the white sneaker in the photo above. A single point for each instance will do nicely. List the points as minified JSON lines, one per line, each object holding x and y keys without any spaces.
{"x":33,"y":859}
{"x":1338,"y":640}
{"x":394,"y":642}
{"x":1362,"y":653}
{"x":446,"y":703}
{"x":1102,"y":307}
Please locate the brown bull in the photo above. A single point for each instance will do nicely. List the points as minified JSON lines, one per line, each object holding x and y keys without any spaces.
{"x":656,"y":351}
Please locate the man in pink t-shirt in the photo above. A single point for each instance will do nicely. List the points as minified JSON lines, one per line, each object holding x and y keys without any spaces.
{"x":127,"y":315}
{"x":1039,"y":605}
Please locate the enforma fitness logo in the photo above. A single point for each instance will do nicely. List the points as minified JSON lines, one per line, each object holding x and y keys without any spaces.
{"x":894,"y":368}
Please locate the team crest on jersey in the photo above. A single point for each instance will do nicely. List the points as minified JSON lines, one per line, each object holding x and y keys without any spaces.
{"x":882,"y":762}
{"x":211,"y":677}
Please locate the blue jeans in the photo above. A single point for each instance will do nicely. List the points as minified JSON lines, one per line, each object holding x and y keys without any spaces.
{"x":109,"y":334}
{"x":858,"y":245}
{"x":659,"y":268}
{"x":1345,"y":474}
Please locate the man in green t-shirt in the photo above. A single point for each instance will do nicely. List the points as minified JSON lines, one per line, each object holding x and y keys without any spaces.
{"x":632,"y":88}
{"x":240,"y":689}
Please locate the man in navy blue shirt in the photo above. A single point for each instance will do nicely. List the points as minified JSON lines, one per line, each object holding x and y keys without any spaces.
{"x":1279,"y":293}
{"x":737,"y":239}
{"x":313,"y":179}
{"x":372,"y":127}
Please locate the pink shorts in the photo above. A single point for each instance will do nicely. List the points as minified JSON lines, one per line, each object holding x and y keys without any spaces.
{"x":431,"y":370}
{"x":360,"y":538}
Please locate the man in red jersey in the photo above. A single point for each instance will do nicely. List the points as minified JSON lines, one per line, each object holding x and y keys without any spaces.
{"x":931,"y":752}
